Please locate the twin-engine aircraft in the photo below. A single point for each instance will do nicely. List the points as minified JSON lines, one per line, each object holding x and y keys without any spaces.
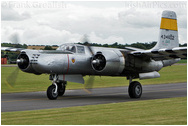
{"x":70,"y":62}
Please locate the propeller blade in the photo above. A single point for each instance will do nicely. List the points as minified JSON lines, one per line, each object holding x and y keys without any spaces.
{"x":86,"y":41}
{"x":90,"y":50}
{"x":14,"y":38}
{"x":11,"y":79}
{"x":89,"y":84}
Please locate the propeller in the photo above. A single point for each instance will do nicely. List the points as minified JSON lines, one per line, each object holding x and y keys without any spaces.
{"x":89,"y":83}
{"x":98,"y":61}
{"x":14,"y":38}
{"x":11,"y":79}
{"x":86,"y":41}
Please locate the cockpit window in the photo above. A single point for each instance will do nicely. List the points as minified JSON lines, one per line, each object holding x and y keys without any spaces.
{"x":80,"y":49}
{"x":68,"y":48}
{"x":72,"y":48}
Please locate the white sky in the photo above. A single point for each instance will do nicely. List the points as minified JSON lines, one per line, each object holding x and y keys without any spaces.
{"x":55,"y":23}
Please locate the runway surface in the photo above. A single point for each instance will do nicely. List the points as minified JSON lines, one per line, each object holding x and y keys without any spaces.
{"x":39,"y":100}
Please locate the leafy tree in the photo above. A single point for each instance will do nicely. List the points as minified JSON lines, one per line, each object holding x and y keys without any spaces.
{"x":48,"y":48}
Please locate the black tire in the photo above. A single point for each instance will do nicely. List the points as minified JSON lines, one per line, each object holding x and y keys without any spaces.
{"x":135,"y":89}
{"x":61,"y":89}
{"x":50,"y":92}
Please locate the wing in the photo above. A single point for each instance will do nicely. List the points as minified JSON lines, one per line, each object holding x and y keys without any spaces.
{"x":11,"y":49}
{"x":162,"y":54}
{"x":133,"y":49}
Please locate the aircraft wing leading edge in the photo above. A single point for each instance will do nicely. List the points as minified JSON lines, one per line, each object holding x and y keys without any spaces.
{"x":11,"y":49}
{"x":161,"y":54}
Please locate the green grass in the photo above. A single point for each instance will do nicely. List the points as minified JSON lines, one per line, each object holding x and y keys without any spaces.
{"x":183,"y":61}
{"x":171,"y":111}
{"x":29,"y":82}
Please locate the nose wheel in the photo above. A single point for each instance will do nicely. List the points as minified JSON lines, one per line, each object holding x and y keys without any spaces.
{"x":52,"y":94}
{"x":55,"y":90}
{"x":135,"y":89}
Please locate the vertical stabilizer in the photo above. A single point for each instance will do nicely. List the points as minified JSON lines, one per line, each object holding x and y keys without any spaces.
{"x":168,"y":35}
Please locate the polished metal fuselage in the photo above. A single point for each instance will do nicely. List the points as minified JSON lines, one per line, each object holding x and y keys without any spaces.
{"x":118,"y":63}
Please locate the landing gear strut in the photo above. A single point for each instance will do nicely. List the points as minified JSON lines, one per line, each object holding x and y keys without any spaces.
{"x":135,"y":89}
{"x":56,"y":89}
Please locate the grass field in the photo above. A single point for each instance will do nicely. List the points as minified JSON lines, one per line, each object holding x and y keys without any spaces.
{"x":171,"y":111}
{"x":30,"y":82}
{"x":183,"y":61}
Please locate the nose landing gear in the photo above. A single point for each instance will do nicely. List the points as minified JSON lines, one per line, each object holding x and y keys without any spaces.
{"x":52,"y":94}
{"x":56,"y":89}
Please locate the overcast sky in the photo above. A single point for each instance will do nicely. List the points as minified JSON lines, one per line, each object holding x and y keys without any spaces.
{"x":55,"y":23}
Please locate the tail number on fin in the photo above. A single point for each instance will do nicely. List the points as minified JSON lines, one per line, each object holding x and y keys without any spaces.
{"x":171,"y":37}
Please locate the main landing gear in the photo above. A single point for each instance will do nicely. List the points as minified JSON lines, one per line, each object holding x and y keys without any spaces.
{"x":56,"y":89}
{"x":135,"y":89}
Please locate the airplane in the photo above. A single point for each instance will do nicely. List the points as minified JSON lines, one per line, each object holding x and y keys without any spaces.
{"x":70,"y":62}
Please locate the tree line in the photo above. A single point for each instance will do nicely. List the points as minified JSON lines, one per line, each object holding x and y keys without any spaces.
{"x":146,"y":45}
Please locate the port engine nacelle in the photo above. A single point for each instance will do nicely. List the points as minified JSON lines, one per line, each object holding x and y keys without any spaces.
{"x":108,"y":63}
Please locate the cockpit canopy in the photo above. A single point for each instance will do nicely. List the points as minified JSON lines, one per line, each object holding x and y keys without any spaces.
{"x":75,"y":48}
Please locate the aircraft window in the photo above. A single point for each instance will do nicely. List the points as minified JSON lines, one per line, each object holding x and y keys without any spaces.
{"x":61,"y":47}
{"x":71,"y":48}
{"x":80,"y":49}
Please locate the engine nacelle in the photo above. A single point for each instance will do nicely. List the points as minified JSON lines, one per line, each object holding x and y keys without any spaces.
{"x":108,"y":62}
{"x":23,"y":62}
{"x":98,"y":62}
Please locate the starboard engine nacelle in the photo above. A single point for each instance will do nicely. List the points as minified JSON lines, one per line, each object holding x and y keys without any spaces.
{"x":23,"y":62}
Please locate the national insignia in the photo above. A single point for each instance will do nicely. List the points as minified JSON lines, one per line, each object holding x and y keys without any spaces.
{"x":73,"y":60}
